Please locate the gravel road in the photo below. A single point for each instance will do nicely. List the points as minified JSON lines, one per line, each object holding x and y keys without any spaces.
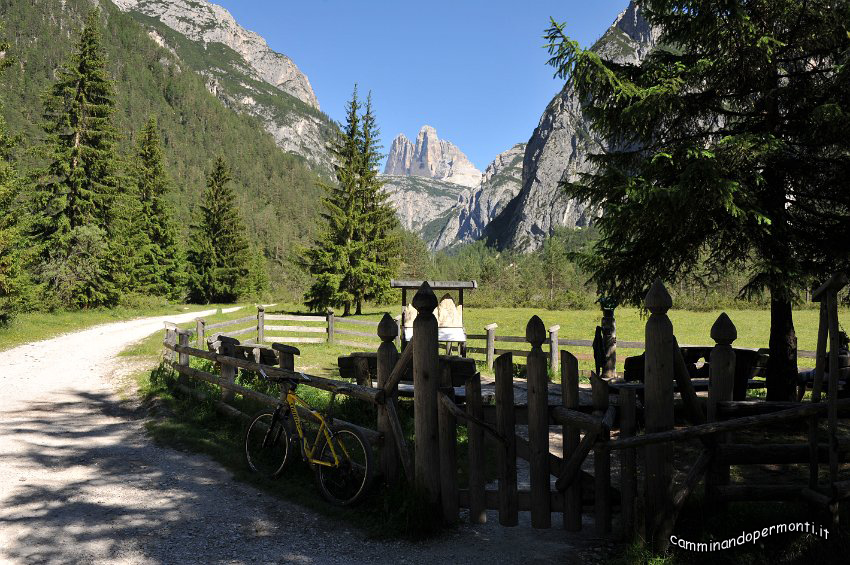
{"x":80,"y":481}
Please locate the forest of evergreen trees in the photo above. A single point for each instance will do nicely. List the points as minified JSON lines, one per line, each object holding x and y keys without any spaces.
{"x":87,"y":225}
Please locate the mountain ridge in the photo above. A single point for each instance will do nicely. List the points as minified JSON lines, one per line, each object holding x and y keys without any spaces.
{"x":430,"y":157}
{"x":558,"y":148}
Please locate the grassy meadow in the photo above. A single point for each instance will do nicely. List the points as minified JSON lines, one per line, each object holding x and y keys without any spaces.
{"x":690,"y":327}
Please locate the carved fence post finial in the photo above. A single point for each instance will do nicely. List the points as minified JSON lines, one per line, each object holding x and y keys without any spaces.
{"x":535,"y":332}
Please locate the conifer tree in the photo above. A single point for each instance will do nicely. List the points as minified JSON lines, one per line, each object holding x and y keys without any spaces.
{"x":336,"y":260}
{"x":73,"y":204}
{"x":218,"y":258}
{"x":379,"y":226}
{"x":13,"y":280}
{"x":728,"y":153}
{"x":161,"y":269}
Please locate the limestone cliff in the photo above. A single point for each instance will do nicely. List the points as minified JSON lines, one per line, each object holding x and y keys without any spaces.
{"x":242,"y":70}
{"x":559,"y":146}
{"x":431,"y":157}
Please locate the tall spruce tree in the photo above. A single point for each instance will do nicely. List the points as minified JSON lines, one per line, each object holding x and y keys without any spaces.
{"x":337,"y":259}
{"x":218,"y":258}
{"x":13,"y":278}
{"x":73,"y":203}
{"x":379,"y":225}
{"x":728,"y":151}
{"x":161,"y":270}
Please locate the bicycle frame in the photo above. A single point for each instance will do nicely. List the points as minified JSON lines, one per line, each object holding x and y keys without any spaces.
{"x":293,"y":400}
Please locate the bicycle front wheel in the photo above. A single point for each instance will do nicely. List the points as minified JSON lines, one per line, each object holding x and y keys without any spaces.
{"x":268,"y":444}
{"x":346,"y":482}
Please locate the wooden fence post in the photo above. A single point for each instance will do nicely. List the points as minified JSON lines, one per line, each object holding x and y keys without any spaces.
{"x":554,"y":351}
{"x":628,"y":470}
{"x":261,"y":324}
{"x":228,"y":372}
{"x":609,"y":336}
{"x":491,"y":344}
{"x":475,"y":447}
{"x":721,"y":364}
{"x":601,"y":461}
{"x":183,"y":358}
{"x":538,"y":424}
{"x":330,"y":319}
{"x":200,"y":330}
{"x":448,"y":463}
{"x":720,"y":387}
{"x":286,"y":355}
{"x":170,"y":339}
{"x":387,"y":358}
{"x":426,"y":380}
{"x":658,"y":370}
{"x":183,"y":339}
{"x":571,"y":437}
{"x":506,"y":427}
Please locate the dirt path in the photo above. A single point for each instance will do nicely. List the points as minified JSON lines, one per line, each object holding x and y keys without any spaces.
{"x":80,"y":481}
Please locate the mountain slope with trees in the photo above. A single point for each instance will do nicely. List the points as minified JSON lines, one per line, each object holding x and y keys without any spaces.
{"x":152,"y":81}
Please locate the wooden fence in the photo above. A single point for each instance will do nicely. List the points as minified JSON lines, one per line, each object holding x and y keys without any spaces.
{"x":264,"y":328}
{"x":606,"y":425}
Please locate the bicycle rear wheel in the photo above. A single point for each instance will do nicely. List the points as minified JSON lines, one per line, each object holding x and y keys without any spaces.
{"x":268,"y":444}
{"x":347,"y":482}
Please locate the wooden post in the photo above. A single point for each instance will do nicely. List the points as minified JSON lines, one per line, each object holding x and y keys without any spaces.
{"x":628,"y":467}
{"x":491,"y":344}
{"x":261,"y":324}
{"x":538,"y":424}
{"x":601,"y":461}
{"x":330,"y":319}
{"x":286,"y":355}
{"x":387,"y":358}
{"x":721,"y":385}
{"x":658,"y":386}
{"x":817,"y":386}
{"x":609,"y":337}
{"x":200,"y":330}
{"x":832,"y":393}
{"x":183,"y":339}
{"x":571,"y":437}
{"x":426,"y":380}
{"x":554,"y":351}
{"x":170,"y":339}
{"x":448,"y":463}
{"x":228,"y":372}
{"x":506,"y":427}
{"x":183,"y":358}
{"x":475,"y":447}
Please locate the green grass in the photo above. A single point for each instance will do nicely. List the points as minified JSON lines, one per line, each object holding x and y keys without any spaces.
{"x":690,"y":328}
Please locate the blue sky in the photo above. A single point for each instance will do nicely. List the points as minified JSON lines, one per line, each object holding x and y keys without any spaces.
{"x":474,"y":69}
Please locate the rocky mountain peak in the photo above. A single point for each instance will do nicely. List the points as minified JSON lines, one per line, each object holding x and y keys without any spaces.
{"x":431,"y":157}
{"x":558,"y":149}
{"x":206,"y":22}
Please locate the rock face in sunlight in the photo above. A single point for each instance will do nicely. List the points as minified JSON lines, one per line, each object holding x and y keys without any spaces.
{"x":558,"y":149}
{"x":431,"y":157}
{"x":501,"y":182}
{"x":446,"y":214}
{"x":242,"y":70}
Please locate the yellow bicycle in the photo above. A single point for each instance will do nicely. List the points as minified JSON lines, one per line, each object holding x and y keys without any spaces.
{"x":340,"y":455}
